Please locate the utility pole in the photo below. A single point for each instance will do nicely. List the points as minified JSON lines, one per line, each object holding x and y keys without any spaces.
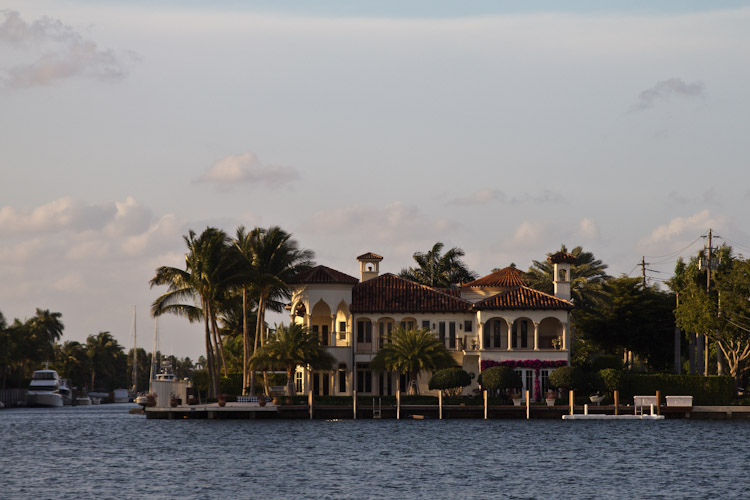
{"x":643,"y":271}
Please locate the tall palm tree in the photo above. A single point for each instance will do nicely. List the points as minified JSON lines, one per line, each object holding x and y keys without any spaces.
{"x":289,"y":348}
{"x":276,"y":258}
{"x":72,"y":362}
{"x":588,"y":275}
{"x":207,"y":264}
{"x":245,"y":271}
{"x":102,"y":350}
{"x":436,"y":270}
{"x":412,"y":352}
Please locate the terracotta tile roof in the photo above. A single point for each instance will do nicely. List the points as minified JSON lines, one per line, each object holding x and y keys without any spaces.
{"x":370,"y":256}
{"x":560,"y":257}
{"x":389,"y":293}
{"x":507,"y":277}
{"x":523,"y":297}
{"x":324,"y":275}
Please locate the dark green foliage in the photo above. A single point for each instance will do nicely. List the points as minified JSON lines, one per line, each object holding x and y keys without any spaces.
{"x":611,"y":379}
{"x":500,"y":378}
{"x":713,"y":390}
{"x":450,"y":380}
{"x":605,"y":361}
{"x":231,"y":384}
{"x":633,"y":318}
{"x":568,"y":377}
{"x":434,"y":269}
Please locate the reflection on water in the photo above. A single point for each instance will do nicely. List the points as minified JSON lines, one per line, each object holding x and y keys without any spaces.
{"x":104,"y":452}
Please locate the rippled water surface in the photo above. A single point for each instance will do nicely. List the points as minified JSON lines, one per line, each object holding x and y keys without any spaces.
{"x":104,"y":452}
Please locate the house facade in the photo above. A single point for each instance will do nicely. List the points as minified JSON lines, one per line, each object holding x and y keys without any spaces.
{"x":496,"y":319}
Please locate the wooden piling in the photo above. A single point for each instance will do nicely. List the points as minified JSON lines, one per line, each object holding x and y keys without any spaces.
{"x":658,"y":402}
{"x":572,"y":400}
{"x":440,"y":405}
{"x":617,"y":402}
{"x":528,"y":404}
{"x":354,"y":403}
{"x":398,"y":405}
{"x":310,"y":403}
{"x":485,"y":403}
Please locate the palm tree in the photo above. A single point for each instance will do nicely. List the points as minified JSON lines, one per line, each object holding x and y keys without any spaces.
{"x":412,"y":352}
{"x":203,"y":280}
{"x":276,"y":258}
{"x":289,"y":348}
{"x":102,"y":350}
{"x":588,"y":276}
{"x":436,"y":270}
{"x":243,"y":248}
{"x":72,"y":362}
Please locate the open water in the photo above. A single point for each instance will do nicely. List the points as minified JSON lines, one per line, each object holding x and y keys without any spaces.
{"x":104,"y":452}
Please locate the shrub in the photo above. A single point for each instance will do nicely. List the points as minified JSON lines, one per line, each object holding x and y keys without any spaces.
{"x":713,"y":390}
{"x":500,"y":377}
{"x":450,"y":380}
{"x":604,"y":361}
{"x":568,"y":377}
{"x":612,"y":379}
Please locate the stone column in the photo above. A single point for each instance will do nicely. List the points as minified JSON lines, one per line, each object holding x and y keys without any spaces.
{"x":565,"y":340}
{"x":536,"y":336}
{"x":480,"y":335}
{"x":510,"y":322}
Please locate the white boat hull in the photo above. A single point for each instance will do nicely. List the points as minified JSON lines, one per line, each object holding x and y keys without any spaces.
{"x":44,"y":399}
{"x":83,"y":401}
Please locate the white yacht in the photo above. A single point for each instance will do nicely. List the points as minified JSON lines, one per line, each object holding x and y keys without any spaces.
{"x":44,"y":389}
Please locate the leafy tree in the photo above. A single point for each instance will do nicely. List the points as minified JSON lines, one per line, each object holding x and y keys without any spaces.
{"x":500,"y":378}
{"x":436,"y":270}
{"x":411,"y":352}
{"x":72,"y":362}
{"x":204,"y":280}
{"x":632,"y":319}
{"x":723,"y":312}
{"x":568,"y":377}
{"x":450,"y":380}
{"x":273,"y":258}
{"x":289,"y":348}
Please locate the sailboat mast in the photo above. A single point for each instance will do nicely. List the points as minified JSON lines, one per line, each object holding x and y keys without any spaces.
{"x":153,"y":353}
{"x":135,"y":356}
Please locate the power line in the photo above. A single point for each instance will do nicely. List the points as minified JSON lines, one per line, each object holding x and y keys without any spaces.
{"x":672,"y":254}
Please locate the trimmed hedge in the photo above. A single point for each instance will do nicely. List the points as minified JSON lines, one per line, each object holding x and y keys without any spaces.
{"x":450,"y":380}
{"x":712,"y":390}
{"x":568,"y":377}
{"x":500,"y":377}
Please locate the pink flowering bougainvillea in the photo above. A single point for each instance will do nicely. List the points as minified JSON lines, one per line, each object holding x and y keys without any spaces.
{"x":534,"y":364}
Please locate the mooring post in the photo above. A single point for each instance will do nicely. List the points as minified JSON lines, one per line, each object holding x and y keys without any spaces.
{"x":658,"y":402}
{"x":440,"y":405}
{"x":528,"y":404}
{"x":398,"y":405}
{"x":310,"y":403}
{"x":354,"y":401}
{"x":485,"y":403}
{"x":572,"y":400}
{"x":617,"y":402}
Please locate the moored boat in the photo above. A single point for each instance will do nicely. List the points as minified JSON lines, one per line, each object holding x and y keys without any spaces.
{"x":44,"y":389}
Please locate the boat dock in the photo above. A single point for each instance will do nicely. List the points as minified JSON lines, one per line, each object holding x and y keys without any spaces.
{"x":327,"y":412}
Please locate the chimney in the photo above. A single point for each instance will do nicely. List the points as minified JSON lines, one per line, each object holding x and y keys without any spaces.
{"x":369,"y":266}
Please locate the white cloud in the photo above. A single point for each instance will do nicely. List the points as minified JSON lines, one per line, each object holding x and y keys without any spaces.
{"x":58,"y":215}
{"x":665,"y":89}
{"x":588,"y":229}
{"x":493,"y":195}
{"x":58,"y":52}
{"x":528,"y":235}
{"x":247,"y":168}
{"x":681,"y":229}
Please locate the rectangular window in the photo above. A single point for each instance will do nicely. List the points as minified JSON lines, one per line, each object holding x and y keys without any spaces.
{"x":513,"y":336}
{"x":467,"y":326}
{"x":407,"y":325}
{"x":487,"y":337}
{"x":342,"y":381}
{"x":364,"y":332}
{"x":324,"y":335}
{"x":497,"y":334}
{"x":544,"y":381}
{"x":441,"y":331}
{"x":298,"y":382}
{"x":524,"y":334}
{"x":364,"y":378}
{"x":426,"y":323}
{"x":452,"y":335}
{"x":326,"y":382}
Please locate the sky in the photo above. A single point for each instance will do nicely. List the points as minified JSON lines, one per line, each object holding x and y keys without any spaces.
{"x":504,"y":128}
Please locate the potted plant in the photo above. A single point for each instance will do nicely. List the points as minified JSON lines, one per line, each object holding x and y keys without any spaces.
{"x":551,"y":397}
{"x":222,"y":400}
{"x":517,"y":398}
{"x":261,"y":400}
{"x":173,"y":400}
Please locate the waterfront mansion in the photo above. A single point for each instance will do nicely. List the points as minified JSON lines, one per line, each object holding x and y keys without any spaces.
{"x":496,"y":319}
